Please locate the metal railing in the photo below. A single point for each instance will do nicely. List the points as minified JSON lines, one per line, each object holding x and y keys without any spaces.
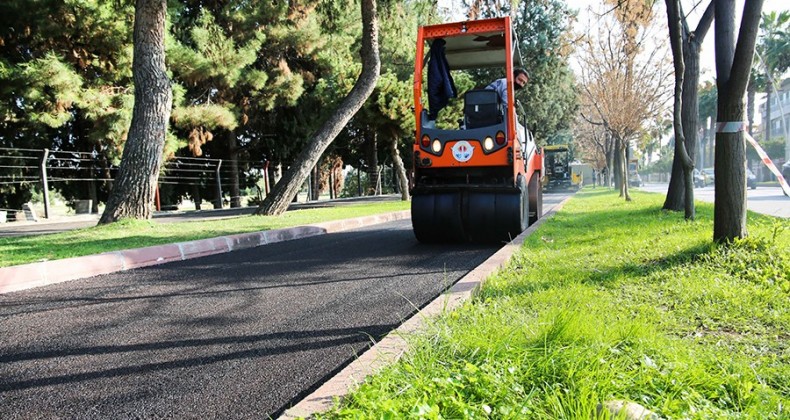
{"x":44,"y":167}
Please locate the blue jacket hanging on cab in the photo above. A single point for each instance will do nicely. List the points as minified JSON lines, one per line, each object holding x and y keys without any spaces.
{"x":440,"y":83}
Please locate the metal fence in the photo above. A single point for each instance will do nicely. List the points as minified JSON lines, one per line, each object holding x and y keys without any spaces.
{"x":43,"y":168}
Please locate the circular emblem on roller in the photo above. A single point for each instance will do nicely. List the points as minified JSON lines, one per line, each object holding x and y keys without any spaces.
{"x":462,"y":151}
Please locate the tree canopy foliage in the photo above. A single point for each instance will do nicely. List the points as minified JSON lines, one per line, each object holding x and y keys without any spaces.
{"x":250,"y":81}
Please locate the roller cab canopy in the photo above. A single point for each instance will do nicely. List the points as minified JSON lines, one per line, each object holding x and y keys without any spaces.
{"x":557,"y":148}
{"x":474,"y":44}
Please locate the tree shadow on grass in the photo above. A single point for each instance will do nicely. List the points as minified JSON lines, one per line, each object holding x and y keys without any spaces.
{"x":585,"y":228}
{"x":605,"y":276}
{"x":608,"y":275}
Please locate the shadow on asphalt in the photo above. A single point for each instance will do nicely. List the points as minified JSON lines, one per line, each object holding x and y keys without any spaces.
{"x":336,"y":337}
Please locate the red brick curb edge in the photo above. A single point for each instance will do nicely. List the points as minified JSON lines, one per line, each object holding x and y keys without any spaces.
{"x":393,"y":346}
{"x":27,"y":276}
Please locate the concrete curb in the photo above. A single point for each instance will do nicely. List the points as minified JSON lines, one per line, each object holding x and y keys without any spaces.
{"x":27,"y":276}
{"x":393,"y":346}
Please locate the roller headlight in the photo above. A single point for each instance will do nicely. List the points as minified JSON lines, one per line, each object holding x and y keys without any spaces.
{"x":436,"y":146}
{"x":488,"y":143}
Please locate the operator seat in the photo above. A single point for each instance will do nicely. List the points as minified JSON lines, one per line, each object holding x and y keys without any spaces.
{"x":482,"y":107}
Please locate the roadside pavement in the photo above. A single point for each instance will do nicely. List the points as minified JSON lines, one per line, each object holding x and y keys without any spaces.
{"x":65,"y":223}
{"x":768,"y":200}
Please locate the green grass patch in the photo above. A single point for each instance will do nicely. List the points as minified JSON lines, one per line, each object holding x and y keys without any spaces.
{"x":129,"y":234}
{"x":608,"y":300}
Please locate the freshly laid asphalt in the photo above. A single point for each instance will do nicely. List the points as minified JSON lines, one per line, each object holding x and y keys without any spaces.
{"x":234,"y":335}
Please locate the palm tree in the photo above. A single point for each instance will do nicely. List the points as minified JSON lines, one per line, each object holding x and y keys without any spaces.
{"x":773,"y":54}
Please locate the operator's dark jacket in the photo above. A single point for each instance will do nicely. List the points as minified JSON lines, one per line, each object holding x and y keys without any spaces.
{"x":440,"y":83}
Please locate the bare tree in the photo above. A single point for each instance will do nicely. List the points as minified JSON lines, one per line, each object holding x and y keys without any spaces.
{"x":622,"y":84}
{"x":681,"y":183}
{"x":733,"y":65}
{"x":134,"y":189}
{"x":277,"y":201}
{"x":593,"y":143}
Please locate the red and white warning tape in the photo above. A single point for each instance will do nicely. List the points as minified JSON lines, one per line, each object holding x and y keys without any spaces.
{"x":769,"y":163}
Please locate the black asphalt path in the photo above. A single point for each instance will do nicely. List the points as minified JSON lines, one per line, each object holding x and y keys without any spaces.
{"x":235,"y":335}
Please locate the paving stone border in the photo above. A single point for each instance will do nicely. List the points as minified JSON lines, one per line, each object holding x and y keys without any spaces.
{"x":27,"y":276}
{"x":393,"y":345}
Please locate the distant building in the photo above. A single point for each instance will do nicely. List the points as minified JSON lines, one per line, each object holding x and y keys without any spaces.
{"x":779,"y":125}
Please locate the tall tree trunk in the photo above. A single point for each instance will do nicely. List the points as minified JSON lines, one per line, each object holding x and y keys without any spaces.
{"x":733,"y":64}
{"x":610,"y":144}
{"x":617,"y":161}
{"x":92,"y":193}
{"x":689,"y":116}
{"x":676,"y":192}
{"x":233,"y":150}
{"x":400,"y":170}
{"x":106,"y":184}
{"x":624,"y":172}
{"x":315,"y":186}
{"x":133,"y":191}
{"x":685,"y":50}
{"x":684,"y":122}
{"x":372,"y":160}
{"x":277,"y":202}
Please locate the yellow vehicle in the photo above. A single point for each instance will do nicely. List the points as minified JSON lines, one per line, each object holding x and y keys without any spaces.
{"x":581,"y":174}
{"x":558,"y":168}
{"x":577,"y":179}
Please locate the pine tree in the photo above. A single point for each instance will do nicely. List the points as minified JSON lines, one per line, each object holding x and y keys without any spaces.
{"x":133,"y":193}
{"x":286,"y":189}
{"x":232,"y":66}
{"x":65,"y":81}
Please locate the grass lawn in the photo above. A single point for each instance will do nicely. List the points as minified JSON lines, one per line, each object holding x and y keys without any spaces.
{"x":136,"y":233}
{"x":606,"y":301}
